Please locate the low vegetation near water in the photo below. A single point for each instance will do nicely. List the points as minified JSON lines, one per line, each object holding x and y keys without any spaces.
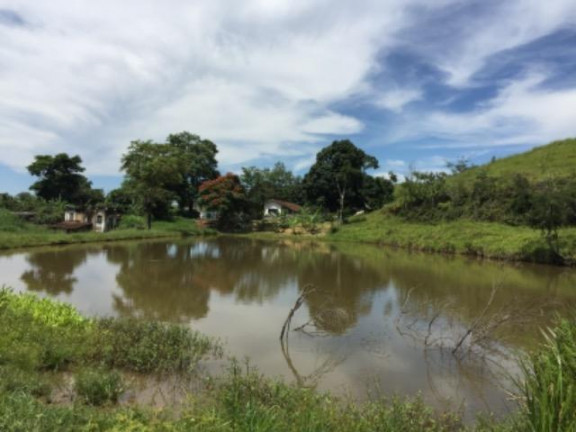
{"x":43,"y":342}
{"x":481,"y":239}
{"x":16,"y":233}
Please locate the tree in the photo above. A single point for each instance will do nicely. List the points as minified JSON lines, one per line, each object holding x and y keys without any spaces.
{"x":198,"y":164}
{"x":151,"y":169}
{"x":60,"y":178}
{"x":265,"y":184}
{"x":224,"y":195}
{"x":377,"y":191}
{"x":335,"y":181}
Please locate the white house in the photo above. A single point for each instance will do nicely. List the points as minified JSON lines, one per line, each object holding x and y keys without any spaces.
{"x":274,"y":207}
{"x":97,"y":220}
{"x":205,"y":214}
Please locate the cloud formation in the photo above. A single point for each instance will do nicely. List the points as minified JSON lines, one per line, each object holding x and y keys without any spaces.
{"x":277,"y":79}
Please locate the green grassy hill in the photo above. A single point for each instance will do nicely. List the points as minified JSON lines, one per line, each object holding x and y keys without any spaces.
{"x":557,"y":159}
{"x":470,"y":234}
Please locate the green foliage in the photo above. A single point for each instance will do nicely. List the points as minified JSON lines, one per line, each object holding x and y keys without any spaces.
{"x":151,"y":169}
{"x":61,"y":179}
{"x":199,"y":164}
{"x":132,"y":222}
{"x":335,"y":182}
{"x":264,"y":184}
{"x":9,"y":222}
{"x":38,"y":211}
{"x":549,"y":382}
{"x":242,"y":399}
{"x":461,"y":236}
{"x":557,"y":159}
{"x":99,"y":387}
{"x":44,"y":334}
{"x":142,"y":346}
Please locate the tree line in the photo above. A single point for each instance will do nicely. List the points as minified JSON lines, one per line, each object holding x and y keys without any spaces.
{"x":181,"y":174}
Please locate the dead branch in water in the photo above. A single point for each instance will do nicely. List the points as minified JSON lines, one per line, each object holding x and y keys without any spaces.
{"x":477,"y":322}
{"x":286,"y":327}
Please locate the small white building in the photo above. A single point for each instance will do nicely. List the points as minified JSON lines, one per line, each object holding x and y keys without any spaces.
{"x":274,"y":208}
{"x":204,"y":213}
{"x":97,"y":220}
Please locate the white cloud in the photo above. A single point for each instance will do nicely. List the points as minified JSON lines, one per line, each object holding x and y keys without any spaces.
{"x":523,"y":113}
{"x":254,"y":76}
{"x":469,"y":43}
{"x":396,"y":100}
{"x":261,"y":78}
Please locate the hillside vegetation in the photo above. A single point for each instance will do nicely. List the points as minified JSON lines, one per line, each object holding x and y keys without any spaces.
{"x":519,"y":208}
{"x":557,"y":159}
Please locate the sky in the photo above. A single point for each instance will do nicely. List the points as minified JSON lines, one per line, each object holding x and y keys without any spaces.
{"x":415,"y":83}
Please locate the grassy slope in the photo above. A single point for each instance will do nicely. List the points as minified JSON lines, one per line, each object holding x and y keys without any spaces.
{"x":492,"y":240}
{"x":30,"y":235}
{"x":489,"y":240}
{"x":557,"y":159}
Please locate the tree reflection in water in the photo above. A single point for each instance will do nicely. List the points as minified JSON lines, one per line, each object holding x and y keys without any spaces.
{"x":53,"y":271}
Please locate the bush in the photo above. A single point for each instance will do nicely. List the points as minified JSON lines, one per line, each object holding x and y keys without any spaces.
{"x":132,"y":222}
{"x":99,"y":387}
{"x":142,"y":346}
{"x":9,"y":222}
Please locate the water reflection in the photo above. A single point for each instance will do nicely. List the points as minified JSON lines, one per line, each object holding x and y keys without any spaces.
{"x":53,"y":271}
{"x":378,"y":318}
{"x":159,"y":281}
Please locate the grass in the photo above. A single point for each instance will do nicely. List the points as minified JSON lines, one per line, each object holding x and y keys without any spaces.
{"x":98,"y":352}
{"x":557,"y":159}
{"x":15,"y":234}
{"x":482,"y":239}
{"x":549,"y":384}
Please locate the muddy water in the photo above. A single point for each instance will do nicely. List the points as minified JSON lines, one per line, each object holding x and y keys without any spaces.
{"x":376,"y":322}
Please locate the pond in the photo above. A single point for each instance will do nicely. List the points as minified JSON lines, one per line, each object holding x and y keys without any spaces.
{"x":373,"y":322}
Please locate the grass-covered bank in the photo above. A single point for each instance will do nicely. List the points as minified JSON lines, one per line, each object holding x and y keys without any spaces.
{"x":44,"y":342}
{"x":481,"y":239}
{"x":18,"y":234}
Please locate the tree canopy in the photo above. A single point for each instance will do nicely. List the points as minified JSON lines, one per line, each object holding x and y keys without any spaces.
{"x":60,"y":178}
{"x":197,"y":164}
{"x":226,"y":196}
{"x":151,"y":170}
{"x":336,"y":179}
{"x":262,"y":184}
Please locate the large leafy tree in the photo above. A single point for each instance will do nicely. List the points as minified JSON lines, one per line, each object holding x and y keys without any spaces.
{"x":198,"y":164}
{"x":263,"y":184}
{"x":226,"y":196}
{"x":336,"y":179}
{"x":151,"y":171}
{"x":61,"y":178}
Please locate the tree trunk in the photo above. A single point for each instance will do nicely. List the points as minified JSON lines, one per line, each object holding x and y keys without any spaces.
{"x":341,"y":212}
{"x":149,"y":220}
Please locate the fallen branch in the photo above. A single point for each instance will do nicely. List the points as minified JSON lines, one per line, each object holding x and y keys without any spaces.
{"x":286,"y":327}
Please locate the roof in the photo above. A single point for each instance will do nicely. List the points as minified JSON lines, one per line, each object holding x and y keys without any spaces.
{"x":288,"y":205}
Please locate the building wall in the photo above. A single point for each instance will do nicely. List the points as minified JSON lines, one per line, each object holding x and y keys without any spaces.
{"x":272,"y":209}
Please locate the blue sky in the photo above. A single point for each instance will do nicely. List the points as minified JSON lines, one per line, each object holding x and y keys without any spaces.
{"x":413,"y":82}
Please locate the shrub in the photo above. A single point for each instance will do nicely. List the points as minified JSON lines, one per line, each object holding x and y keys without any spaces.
{"x":99,"y":387}
{"x":143,"y":346}
{"x":9,"y":222}
{"x":132,"y":222}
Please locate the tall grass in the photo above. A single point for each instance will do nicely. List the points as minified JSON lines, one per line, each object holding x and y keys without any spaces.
{"x":549,"y":385}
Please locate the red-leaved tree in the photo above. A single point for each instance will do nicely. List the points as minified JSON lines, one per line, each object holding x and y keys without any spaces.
{"x":224,"y":195}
